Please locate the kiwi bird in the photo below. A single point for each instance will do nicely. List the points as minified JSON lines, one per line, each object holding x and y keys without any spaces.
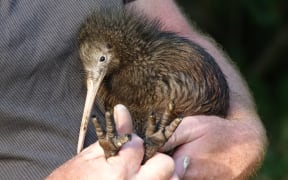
{"x":158,"y":75}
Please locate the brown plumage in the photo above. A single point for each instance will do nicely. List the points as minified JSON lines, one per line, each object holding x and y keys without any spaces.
{"x":138,"y":64}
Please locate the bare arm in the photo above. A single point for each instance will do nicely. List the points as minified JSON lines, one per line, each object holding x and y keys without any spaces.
{"x":216,"y":147}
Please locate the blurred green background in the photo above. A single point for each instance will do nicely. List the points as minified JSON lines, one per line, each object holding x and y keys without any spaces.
{"x":255,"y":35}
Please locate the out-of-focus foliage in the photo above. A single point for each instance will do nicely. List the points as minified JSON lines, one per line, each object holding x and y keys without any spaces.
{"x":255,"y":35}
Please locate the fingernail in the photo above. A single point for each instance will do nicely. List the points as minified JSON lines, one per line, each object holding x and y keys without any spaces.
{"x":186,"y":163}
{"x":117,"y":108}
{"x":120,"y":107}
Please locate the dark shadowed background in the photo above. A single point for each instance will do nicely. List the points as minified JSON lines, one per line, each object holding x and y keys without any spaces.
{"x":255,"y":35}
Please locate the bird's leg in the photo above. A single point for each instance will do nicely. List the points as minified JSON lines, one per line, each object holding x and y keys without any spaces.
{"x":109,"y":139}
{"x":157,"y":134}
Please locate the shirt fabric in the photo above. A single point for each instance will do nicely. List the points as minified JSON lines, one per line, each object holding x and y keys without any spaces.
{"x":42,"y":88}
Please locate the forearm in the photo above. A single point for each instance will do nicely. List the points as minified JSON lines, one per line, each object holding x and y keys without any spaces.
{"x":245,"y":124}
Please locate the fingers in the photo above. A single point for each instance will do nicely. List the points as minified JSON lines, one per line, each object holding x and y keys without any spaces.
{"x":198,"y":137}
{"x":124,"y":125}
{"x":190,"y":129}
{"x":93,"y":151}
{"x":92,"y":164}
{"x":130,"y":156}
{"x":160,"y":166}
{"x":123,"y":119}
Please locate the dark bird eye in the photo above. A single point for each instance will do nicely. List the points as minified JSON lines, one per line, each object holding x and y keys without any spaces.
{"x":109,"y":46}
{"x":102,"y":58}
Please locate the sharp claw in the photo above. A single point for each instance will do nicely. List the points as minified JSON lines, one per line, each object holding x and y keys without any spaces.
{"x":109,"y":140}
{"x":172,"y":127}
{"x":171,"y":106}
{"x":156,"y":137}
{"x":151,"y":124}
{"x":119,"y":141}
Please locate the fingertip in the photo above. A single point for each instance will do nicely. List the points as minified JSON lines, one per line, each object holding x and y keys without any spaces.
{"x":160,"y":165}
{"x":182,"y":163}
{"x":120,"y":107}
{"x":123,"y":119}
{"x":175,"y":177}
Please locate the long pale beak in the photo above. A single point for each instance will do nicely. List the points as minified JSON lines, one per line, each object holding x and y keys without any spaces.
{"x":92,"y":88}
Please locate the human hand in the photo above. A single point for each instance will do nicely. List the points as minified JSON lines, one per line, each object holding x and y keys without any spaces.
{"x":216,"y":148}
{"x":91,"y":162}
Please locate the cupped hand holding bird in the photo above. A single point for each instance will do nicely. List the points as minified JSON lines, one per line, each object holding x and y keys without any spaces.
{"x":91,"y":162}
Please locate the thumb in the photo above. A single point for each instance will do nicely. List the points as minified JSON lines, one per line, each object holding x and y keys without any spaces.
{"x":123,"y":120}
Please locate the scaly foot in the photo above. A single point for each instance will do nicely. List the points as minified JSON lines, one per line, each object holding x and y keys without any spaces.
{"x":109,"y":139}
{"x":157,"y":134}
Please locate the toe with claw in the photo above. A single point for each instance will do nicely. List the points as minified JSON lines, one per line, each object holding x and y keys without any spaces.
{"x":109,"y":139}
{"x":157,"y":134}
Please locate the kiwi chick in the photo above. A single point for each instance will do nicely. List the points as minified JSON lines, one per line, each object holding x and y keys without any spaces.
{"x":158,"y":75}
